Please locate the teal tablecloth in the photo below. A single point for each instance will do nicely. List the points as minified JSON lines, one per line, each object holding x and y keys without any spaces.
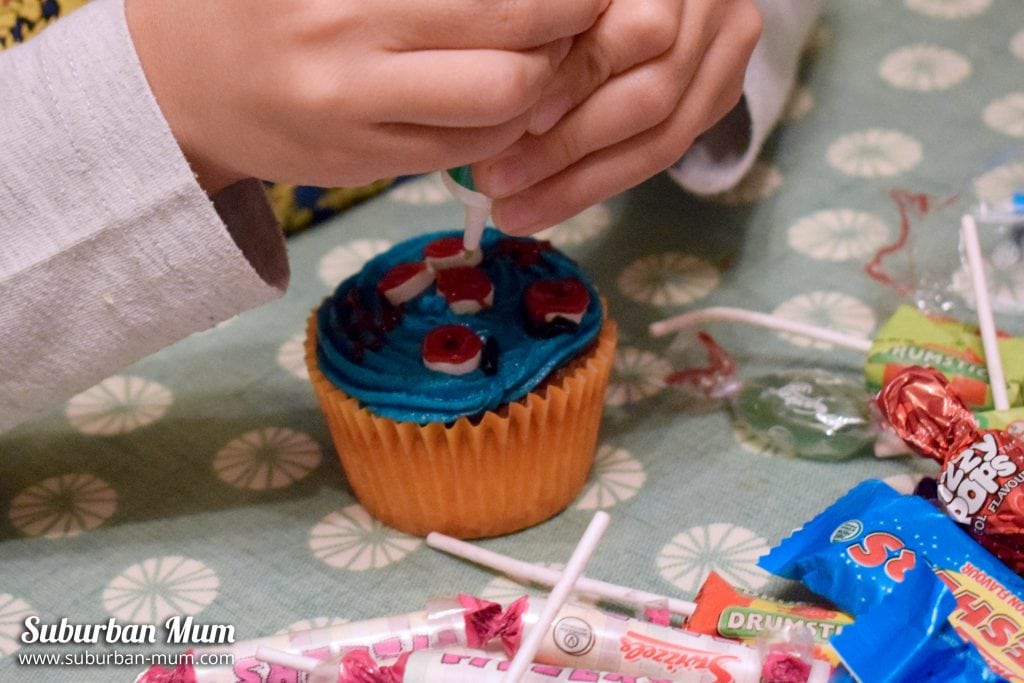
{"x":202,"y":481}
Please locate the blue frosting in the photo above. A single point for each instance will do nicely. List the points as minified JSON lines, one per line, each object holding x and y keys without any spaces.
{"x":391,"y":380}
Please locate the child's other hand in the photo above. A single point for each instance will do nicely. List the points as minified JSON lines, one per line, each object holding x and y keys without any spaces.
{"x":344,"y":92}
{"x":631,"y":97}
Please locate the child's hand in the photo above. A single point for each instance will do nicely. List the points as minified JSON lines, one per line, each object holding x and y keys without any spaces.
{"x":343,"y":92}
{"x":639,"y":87}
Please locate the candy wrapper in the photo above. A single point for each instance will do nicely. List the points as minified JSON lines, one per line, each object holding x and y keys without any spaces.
{"x":910,"y":337}
{"x":982,"y":469}
{"x":928,"y":649}
{"x":728,"y":613}
{"x":861,"y":550}
{"x":580,"y":637}
{"x":812,"y":413}
{"x":427,"y":666}
{"x":926,"y":264}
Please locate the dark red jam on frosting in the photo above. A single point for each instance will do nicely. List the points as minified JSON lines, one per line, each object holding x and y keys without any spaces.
{"x":466,"y":283}
{"x":453,"y":344}
{"x":549,"y":299}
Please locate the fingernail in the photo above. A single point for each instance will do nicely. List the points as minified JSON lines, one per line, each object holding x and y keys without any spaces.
{"x":516,"y":216}
{"x":548,"y":113}
{"x":506,"y":176}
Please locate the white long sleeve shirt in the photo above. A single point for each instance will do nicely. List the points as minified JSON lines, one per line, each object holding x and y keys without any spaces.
{"x":110,"y":250}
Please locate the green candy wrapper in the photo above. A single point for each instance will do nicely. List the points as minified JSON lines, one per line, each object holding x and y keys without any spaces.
{"x":953,"y":348}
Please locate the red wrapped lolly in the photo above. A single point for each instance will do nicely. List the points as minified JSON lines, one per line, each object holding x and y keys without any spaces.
{"x":982,"y":469}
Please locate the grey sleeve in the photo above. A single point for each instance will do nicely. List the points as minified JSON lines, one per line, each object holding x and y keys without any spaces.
{"x":720,"y":158}
{"x":109,"y":249}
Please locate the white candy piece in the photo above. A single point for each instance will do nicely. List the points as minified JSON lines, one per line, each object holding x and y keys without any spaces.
{"x":410,"y":288}
{"x":470,"y":306}
{"x":571,"y":317}
{"x":463,"y":368}
{"x":462,"y":259}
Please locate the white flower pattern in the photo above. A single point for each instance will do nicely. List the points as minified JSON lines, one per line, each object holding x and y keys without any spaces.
{"x":832,"y":310}
{"x":267,"y":458}
{"x":351,"y":539}
{"x":348,"y":259}
{"x":1017,"y":45}
{"x":730,"y":550}
{"x":1006,"y":115}
{"x":760,"y":182}
{"x":838,"y":235}
{"x":668,"y":279}
{"x":949,"y":9}
{"x":291,"y":356}
{"x":118,"y":405}
{"x":875,"y":153}
{"x":63,"y":506}
{"x":924,"y":68}
{"x":636,"y":375}
{"x":1001,"y":182}
{"x":616,"y":476}
{"x":752,"y":443}
{"x":158,"y":588}
{"x":799,"y":104}
{"x":581,"y":228}
{"x":13,"y":612}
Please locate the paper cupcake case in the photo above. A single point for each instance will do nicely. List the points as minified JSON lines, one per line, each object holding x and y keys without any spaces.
{"x":508,"y":470}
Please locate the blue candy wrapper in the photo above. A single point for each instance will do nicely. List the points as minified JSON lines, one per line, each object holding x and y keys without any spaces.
{"x":908,"y":637}
{"x":865,"y":553}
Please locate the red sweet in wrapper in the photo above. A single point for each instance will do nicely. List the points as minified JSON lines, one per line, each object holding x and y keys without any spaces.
{"x":982,"y":469}
{"x":182,"y":673}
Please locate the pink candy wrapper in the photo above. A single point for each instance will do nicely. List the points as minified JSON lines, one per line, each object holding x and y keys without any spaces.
{"x":580,"y":637}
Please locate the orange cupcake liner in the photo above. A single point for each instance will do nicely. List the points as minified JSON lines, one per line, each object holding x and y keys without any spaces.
{"x":506,"y":471}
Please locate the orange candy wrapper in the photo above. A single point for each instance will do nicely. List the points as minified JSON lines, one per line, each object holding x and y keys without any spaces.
{"x":725,"y":612}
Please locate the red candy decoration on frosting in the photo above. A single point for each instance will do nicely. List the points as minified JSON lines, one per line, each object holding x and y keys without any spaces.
{"x":982,"y":469}
{"x":449,"y":252}
{"x":452,"y":349}
{"x":546,"y":300}
{"x":467,"y":289}
{"x":405,"y":281}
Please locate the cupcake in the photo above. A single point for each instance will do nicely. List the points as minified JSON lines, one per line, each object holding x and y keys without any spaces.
{"x":463,"y":390}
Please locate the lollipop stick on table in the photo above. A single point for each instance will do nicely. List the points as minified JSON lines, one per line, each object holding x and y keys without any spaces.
{"x":531,"y":572}
{"x":772,"y":322}
{"x":559,"y":593}
{"x":996,"y":378}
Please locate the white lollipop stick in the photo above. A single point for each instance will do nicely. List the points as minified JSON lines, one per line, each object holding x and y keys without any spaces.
{"x":577,"y":562}
{"x":549,"y":577}
{"x":969,"y":232}
{"x":773,"y":322}
{"x":477,"y":207}
{"x":291,"y":660}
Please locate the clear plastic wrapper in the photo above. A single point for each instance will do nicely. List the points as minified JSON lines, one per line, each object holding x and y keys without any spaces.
{"x":813,"y":413}
{"x":926,"y":265}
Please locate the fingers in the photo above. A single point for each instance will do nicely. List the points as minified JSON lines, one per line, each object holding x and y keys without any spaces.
{"x":627,"y":34}
{"x":586,"y":177}
{"x":494,"y":24}
{"x":377,"y":151}
{"x":469,"y":88}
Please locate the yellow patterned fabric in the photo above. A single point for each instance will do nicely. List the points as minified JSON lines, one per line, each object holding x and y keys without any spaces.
{"x":296,"y":206}
{"x":22,"y":19}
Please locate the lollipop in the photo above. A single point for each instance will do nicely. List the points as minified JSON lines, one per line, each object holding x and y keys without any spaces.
{"x":979,"y":485}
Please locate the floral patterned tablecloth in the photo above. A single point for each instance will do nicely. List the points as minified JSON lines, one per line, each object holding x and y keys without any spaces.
{"x":202,"y":481}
